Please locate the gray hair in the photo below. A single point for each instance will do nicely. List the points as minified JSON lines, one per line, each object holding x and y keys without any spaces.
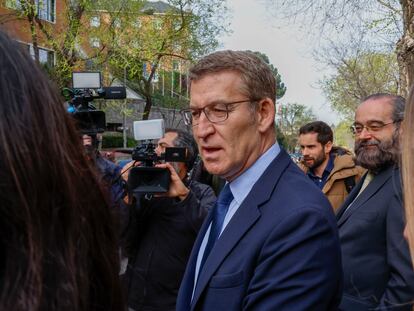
{"x":259,"y":81}
{"x":397,"y":102}
{"x":185,"y":140}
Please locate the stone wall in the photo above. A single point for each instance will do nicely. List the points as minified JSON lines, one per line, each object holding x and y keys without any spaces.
{"x":172,"y":117}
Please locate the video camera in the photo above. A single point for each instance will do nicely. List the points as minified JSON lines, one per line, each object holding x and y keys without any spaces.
{"x":146,"y":178}
{"x":86,"y":88}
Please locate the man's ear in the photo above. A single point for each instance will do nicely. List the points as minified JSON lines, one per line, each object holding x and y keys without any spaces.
{"x":328,"y":147}
{"x":265,"y":114}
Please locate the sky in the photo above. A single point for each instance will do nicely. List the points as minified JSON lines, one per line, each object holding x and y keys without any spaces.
{"x":254,"y":28}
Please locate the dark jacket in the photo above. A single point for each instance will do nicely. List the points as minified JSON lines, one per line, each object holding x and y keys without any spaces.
{"x":165,"y":230}
{"x":280,"y":251}
{"x":111,"y":176}
{"x":378,"y":274}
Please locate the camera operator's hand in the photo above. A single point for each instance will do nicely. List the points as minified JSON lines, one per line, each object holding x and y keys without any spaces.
{"x":177,"y":187}
{"x":127,"y":167}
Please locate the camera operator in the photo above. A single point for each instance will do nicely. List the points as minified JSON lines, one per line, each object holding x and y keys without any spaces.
{"x":162,"y":230}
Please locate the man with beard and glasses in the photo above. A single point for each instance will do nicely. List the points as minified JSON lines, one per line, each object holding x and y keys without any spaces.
{"x":331,"y":168}
{"x":376,"y":261}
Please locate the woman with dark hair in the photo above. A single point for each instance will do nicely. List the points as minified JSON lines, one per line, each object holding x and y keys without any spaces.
{"x":57,"y":237}
{"x":408,"y":169}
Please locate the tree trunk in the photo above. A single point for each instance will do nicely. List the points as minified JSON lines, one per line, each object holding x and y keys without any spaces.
{"x":30,"y":9}
{"x":147,"y":109}
{"x":405,"y":47}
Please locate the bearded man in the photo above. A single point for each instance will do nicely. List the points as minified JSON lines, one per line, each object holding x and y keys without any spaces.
{"x":376,"y":261}
{"x":331,"y":168}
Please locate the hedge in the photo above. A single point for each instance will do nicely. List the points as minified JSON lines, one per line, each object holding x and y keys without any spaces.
{"x":117,"y":141}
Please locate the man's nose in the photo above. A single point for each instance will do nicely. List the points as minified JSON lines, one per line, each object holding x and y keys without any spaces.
{"x":365,"y":134}
{"x":305,"y":152}
{"x":204,"y":127}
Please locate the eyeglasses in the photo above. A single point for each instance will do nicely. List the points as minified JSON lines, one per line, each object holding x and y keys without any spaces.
{"x":371,"y":128}
{"x":215,"y":113}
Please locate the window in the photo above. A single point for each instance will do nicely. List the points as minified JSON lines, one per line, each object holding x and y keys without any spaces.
{"x":45,"y":8}
{"x":94,"y":42}
{"x":46,"y":57}
{"x":95,"y":21}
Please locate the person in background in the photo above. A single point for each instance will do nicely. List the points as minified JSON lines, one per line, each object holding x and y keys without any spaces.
{"x":271,"y":240}
{"x":331,"y":168}
{"x":408,"y":169}
{"x":162,"y":230}
{"x":377,"y":265}
{"x":57,"y":232}
{"x":109,"y":172}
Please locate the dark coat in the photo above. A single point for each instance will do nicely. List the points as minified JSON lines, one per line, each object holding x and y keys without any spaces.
{"x":280,"y":251}
{"x":377,"y":267}
{"x":165,"y":230}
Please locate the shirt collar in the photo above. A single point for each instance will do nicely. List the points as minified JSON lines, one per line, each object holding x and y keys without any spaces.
{"x":329,"y":167}
{"x":241,"y":186}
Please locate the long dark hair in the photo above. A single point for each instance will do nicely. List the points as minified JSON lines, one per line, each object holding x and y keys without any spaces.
{"x":57,"y":236}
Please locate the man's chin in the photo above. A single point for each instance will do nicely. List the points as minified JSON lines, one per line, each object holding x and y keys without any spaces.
{"x":308,"y":164}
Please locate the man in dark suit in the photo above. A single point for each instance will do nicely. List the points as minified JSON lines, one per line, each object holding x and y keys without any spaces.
{"x":377,"y":267}
{"x":271,"y":242}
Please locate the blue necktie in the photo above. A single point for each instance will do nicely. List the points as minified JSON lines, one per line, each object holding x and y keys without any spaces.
{"x":219,"y":212}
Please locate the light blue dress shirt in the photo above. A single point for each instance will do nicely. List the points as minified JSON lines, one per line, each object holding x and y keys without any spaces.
{"x":240,"y":188}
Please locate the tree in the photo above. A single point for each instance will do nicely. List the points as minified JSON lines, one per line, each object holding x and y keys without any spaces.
{"x":281,"y":139}
{"x":70,"y":31}
{"x":280,"y":86}
{"x":387,"y":23}
{"x":357,"y":77}
{"x":343,"y":136}
{"x":291,"y":117}
{"x":164,"y":42}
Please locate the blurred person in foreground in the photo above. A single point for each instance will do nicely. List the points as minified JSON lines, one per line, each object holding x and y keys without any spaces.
{"x":408,"y":170}
{"x":162,"y":230}
{"x":377,"y":266}
{"x":330,"y":167}
{"x":271,"y":241}
{"x":57,"y":233}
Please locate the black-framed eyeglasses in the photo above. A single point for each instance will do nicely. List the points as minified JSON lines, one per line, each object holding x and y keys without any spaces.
{"x":371,"y":128}
{"x":215,"y":113}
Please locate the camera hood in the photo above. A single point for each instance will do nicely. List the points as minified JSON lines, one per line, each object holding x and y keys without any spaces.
{"x":143,"y":179}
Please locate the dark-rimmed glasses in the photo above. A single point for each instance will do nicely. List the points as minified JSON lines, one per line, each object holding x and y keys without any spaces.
{"x":215,"y":113}
{"x":371,"y":128}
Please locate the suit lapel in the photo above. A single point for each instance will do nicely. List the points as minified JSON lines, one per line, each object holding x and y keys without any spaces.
{"x":245,"y":217}
{"x":368,"y":192}
{"x":350,"y":198}
{"x":187,"y":283}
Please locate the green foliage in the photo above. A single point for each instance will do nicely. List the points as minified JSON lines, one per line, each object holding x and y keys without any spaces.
{"x":168,"y":101}
{"x":359,"y":77}
{"x":343,"y":136}
{"x":280,"y":86}
{"x":281,"y":139}
{"x":154,"y":43}
{"x":292,"y":116}
{"x":115,"y":140}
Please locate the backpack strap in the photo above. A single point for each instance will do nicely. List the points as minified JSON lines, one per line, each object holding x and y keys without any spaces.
{"x":349,"y":183}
